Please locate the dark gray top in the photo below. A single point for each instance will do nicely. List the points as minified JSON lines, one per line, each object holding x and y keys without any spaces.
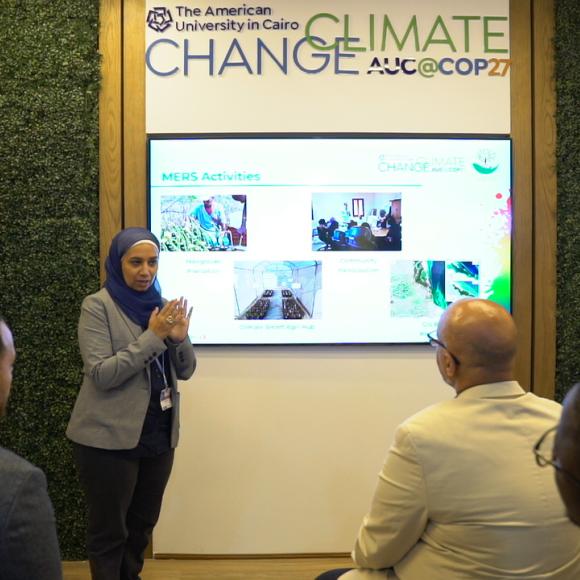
{"x":28,"y":542}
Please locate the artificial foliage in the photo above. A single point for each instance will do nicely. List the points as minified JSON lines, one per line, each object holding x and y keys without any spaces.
{"x":49,"y":229}
{"x":567,"y":54}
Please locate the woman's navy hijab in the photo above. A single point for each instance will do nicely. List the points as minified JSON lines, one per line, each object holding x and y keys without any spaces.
{"x":136,"y":305}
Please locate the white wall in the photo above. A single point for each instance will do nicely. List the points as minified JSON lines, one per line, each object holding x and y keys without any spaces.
{"x":280,"y":446}
{"x":242,"y":99}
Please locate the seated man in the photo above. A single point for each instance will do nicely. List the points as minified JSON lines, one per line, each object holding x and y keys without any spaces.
{"x":460,"y":496}
{"x":332,"y":226}
{"x":361,"y":238}
{"x":566,"y":454}
{"x":382,"y":221}
{"x":323,"y":233}
{"x":28,"y":542}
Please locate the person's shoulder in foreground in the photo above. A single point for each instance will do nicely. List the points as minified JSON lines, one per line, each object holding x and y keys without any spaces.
{"x":567,"y":454}
{"x":460,"y":495}
{"x":28,"y":542}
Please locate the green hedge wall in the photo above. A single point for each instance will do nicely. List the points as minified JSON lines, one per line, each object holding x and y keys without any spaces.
{"x":567,"y":47}
{"x":49,"y":227}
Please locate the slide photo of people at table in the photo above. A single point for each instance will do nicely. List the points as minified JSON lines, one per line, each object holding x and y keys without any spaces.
{"x":281,"y":290}
{"x":203,"y":223}
{"x":424,"y":288}
{"x":357,"y":222}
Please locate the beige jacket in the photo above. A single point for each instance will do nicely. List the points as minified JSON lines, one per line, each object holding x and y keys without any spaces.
{"x":461,"y":496}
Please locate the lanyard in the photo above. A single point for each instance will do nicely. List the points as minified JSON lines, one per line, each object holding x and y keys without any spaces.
{"x":161,"y":367}
{"x":165,"y":395}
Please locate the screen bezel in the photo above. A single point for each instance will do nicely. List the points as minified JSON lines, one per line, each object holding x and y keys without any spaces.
{"x":151,"y":137}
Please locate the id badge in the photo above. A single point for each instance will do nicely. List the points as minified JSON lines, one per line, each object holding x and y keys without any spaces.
{"x":166,"y":402}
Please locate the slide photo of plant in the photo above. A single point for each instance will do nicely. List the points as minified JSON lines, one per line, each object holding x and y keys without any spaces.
{"x":203,"y":223}
{"x":424,"y":288}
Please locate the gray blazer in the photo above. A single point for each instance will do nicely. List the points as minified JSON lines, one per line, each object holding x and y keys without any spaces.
{"x":114,"y":396}
{"x":28,"y":542}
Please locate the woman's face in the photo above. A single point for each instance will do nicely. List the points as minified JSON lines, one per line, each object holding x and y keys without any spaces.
{"x":139,"y":266}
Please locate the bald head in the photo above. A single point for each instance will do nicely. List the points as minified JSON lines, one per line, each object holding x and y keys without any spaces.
{"x":482,"y":336}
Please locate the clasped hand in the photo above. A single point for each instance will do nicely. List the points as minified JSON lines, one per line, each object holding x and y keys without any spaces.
{"x":172,"y":321}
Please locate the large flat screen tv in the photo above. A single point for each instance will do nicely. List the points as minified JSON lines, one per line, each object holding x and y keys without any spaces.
{"x":329,"y":239}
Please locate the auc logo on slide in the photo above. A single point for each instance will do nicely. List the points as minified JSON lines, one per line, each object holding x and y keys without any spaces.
{"x":159,"y":19}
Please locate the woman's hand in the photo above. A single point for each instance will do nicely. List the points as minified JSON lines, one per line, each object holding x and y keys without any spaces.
{"x":160,"y":321}
{"x":172,"y":321}
{"x":181,"y":318}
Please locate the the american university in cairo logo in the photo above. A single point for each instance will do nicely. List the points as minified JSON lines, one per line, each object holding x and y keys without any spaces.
{"x":159,"y":19}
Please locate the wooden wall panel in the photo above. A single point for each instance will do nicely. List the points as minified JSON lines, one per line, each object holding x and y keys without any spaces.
{"x":123,"y":162}
{"x":521,"y":131}
{"x":545,"y":201}
{"x":134,"y":138}
{"x":110,"y":120}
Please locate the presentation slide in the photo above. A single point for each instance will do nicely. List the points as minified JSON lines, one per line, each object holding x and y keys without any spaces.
{"x":329,"y":240}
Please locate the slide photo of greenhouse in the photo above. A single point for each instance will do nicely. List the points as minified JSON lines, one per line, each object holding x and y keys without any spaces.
{"x":277,"y":290}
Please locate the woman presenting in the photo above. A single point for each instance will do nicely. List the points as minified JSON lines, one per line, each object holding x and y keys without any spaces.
{"x":125,"y":422}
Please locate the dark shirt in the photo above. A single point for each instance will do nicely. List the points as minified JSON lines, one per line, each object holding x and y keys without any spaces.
{"x":394,"y":236}
{"x":156,"y":434}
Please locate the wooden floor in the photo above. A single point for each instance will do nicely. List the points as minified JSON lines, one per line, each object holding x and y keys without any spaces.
{"x":259,"y":569}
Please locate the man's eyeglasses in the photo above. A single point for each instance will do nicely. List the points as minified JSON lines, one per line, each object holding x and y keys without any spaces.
{"x":544,"y":453}
{"x":435,"y":342}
